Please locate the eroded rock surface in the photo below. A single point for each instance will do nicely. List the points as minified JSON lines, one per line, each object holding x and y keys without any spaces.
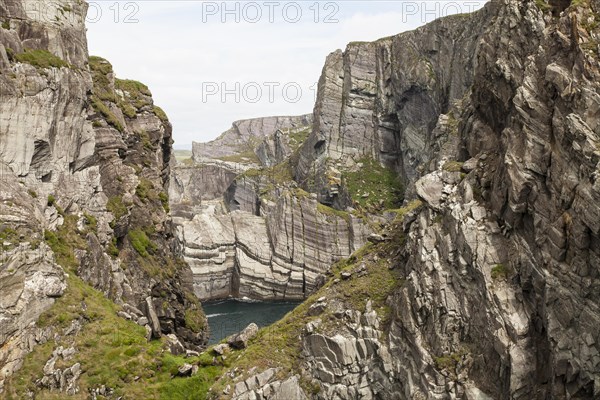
{"x":245,"y":228}
{"x":493,"y":122}
{"x":84,"y":170}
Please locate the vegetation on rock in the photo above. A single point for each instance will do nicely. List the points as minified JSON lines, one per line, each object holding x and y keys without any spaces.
{"x":40,"y":59}
{"x":374,"y":186}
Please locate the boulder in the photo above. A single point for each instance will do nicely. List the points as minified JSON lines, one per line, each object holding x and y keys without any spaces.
{"x":240,"y":340}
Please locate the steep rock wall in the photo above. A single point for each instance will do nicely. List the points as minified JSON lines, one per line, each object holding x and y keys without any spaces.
{"x":74,"y":161}
{"x":245,"y":227}
{"x":496,"y":293}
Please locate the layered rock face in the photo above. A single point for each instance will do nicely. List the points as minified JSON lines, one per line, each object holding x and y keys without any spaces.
{"x":382,"y":100}
{"x":245,"y":227}
{"x":84,"y":164}
{"x":497,"y":293}
{"x":244,"y":135}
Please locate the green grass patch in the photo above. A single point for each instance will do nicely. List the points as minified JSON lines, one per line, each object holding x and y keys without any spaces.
{"x":141,"y":243}
{"x":164,"y":199}
{"x":401,"y":212}
{"x":112,"y":248}
{"x":145,"y":190}
{"x":298,"y":137}
{"x":453,"y":166}
{"x":112,"y":352}
{"x":374,"y":186}
{"x":376,"y":286}
{"x":51,"y":200}
{"x":101,"y":69}
{"x":6,"y":25}
{"x":500,"y":272}
{"x":578,"y":3}
{"x":108,"y":115}
{"x":10,"y":236}
{"x":244,"y":157}
{"x":65,"y":241}
{"x":543,"y":5}
{"x":332,"y":212}
{"x":91,"y":223}
{"x":116,"y":206}
{"x":146,"y":142}
{"x":33,"y":193}
{"x":128,"y":110}
{"x":449,"y":362}
{"x":41,"y":59}
{"x":194,"y":319}
{"x":136,"y":93}
{"x":160,"y":113}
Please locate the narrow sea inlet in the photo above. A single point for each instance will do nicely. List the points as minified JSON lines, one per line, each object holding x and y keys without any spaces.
{"x":227,"y":317}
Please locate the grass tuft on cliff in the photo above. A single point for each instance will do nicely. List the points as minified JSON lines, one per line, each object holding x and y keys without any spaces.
{"x":136,"y":94}
{"x":65,"y":241}
{"x":41,"y":59}
{"x":112,"y":352}
{"x":373,"y":186}
{"x":141,"y":243}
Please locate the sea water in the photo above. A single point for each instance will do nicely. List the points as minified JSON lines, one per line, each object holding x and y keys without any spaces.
{"x":230,"y":316}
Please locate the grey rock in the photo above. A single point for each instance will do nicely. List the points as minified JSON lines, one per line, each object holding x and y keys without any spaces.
{"x":155,"y":323}
{"x":185,"y":370}
{"x":191,"y":353}
{"x":124,"y":315}
{"x":317,"y":308}
{"x":236,"y":139}
{"x":488,"y":88}
{"x":241,"y":339}
{"x":54,"y":142}
{"x":175,"y":346}
{"x":376,"y":238}
{"x":221,"y":349}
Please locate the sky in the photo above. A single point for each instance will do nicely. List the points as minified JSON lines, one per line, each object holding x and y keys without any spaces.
{"x":211,"y":63}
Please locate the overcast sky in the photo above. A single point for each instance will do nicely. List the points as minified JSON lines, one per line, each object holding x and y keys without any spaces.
{"x":211,"y":63}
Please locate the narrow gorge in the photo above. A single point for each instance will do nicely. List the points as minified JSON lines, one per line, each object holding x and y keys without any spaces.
{"x":438,"y":215}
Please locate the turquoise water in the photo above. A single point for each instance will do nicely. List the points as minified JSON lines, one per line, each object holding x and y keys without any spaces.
{"x":231,"y":316}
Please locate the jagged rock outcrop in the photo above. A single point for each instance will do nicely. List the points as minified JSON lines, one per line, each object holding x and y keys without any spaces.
{"x":499,"y":269}
{"x":244,"y":135}
{"x":245,"y":228}
{"x":382,"y":100}
{"x":84,"y":164}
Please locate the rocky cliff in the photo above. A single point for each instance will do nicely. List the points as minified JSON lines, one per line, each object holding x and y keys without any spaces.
{"x":485,"y":285}
{"x":246,"y":228}
{"x":84,"y":161}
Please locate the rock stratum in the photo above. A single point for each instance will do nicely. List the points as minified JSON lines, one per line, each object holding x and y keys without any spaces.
{"x":85,"y":229}
{"x":485,"y":285}
{"x":439,"y":212}
{"x":246,"y":227}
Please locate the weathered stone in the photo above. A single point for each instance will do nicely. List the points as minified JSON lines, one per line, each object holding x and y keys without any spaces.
{"x":185,"y":370}
{"x":175,"y":346}
{"x":375,"y":238}
{"x":221,"y":349}
{"x":240,"y":340}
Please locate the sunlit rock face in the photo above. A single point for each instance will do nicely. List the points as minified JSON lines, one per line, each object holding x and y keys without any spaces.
{"x":245,"y":227}
{"x":493,"y":120}
{"x":74,"y":142}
